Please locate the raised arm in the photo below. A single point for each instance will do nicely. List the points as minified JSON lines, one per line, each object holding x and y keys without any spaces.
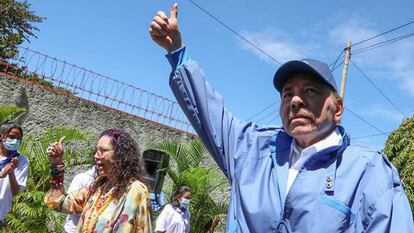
{"x":225,"y":137}
{"x":56,"y":198}
{"x":165,"y":32}
{"x":57,"y":170}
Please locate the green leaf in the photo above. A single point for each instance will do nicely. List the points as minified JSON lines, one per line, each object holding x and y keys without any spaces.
{"x":202,"y":181}
{"x":29,"y":213}
{"x":10,"y":113}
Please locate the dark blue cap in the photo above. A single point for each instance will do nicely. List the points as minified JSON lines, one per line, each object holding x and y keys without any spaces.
{"x":318,"y":69}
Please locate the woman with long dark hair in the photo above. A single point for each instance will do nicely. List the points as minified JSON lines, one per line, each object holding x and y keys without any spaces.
{"x":175,"y":217}
{"x":117,"y":201}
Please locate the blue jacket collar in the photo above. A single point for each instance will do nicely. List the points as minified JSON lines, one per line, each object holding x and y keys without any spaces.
{"x":284,"y":141}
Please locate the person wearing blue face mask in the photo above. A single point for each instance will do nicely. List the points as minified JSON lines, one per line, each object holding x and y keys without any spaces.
{"x":175,"y":217}
{"x":14,"y":167}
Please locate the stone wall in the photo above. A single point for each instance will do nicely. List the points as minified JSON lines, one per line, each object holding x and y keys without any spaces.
{"x":47,"y":108}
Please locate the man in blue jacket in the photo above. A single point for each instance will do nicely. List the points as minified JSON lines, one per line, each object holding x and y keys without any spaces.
{"x":304,"y":177}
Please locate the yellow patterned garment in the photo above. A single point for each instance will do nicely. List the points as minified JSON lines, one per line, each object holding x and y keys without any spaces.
{"x":131,"y":213}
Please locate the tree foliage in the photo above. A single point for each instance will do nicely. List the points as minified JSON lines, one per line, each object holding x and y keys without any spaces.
{"x":400,"y":150}
{"x":202,"y":181}
{"x":16,"y":26}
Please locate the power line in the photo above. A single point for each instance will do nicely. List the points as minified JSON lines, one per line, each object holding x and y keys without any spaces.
{"x":381,"y":34}
{"x":362,"y":119}
{"x":378,"y":89}
{"x":370,"y":136}
{"x":266,"y":116}
{"x":274,"y":118}
{"x":365,"y":40}
{"x":337,"y":59}
{"x":337,"y":66}
{"x":383,"y":43}
{"x":263,"y":110}
{"x":275,"y":60}
{"x":236,"y":33}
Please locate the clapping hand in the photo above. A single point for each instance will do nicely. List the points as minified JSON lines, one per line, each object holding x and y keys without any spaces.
{"x":9,"y":167}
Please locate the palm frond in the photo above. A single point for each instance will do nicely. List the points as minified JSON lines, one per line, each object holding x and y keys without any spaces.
{"x":185,"y":155}
{"x":197,"y":150}
{"x":29,"y":213}
{"x":202,"y":181}
{"x":173,"y":175}
{"x":10,"y":112}
{"x":16,"y":224}
{"x":175,"y":151}
{"x":70,"y":134}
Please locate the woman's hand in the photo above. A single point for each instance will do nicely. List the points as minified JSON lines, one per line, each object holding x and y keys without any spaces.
{"x":9,"y":168}
{"x":56,"y":151}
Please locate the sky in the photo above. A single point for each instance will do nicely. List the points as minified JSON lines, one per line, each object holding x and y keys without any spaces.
{"x":111,"y":38}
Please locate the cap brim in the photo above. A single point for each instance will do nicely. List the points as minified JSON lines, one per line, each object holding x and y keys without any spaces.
{"x":292,"y":67}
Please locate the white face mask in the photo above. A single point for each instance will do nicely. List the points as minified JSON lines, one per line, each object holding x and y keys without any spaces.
{"x":11,"y":144}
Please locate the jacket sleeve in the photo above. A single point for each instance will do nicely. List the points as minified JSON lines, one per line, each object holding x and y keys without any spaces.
{"x":392,"y":213}
{"x":223,"y":135}
{"x":389,"y":210}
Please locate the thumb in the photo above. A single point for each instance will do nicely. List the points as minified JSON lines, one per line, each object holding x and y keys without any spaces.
{"x":174,"y":11}
{"x":62,"y":140}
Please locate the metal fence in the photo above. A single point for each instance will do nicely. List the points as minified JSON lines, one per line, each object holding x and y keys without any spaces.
{"x":76,"y":81}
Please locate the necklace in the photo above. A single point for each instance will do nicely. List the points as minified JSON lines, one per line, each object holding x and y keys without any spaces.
{"x":98,"y":207}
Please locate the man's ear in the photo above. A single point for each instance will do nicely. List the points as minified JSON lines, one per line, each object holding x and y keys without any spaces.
{"x":339,"y":109}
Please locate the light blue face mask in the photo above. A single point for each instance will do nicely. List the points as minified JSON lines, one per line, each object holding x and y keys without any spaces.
{"x":184,"y":203}
{"x":11,"y":144}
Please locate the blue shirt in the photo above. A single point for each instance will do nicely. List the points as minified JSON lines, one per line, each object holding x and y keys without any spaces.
{"x":338,"y":189}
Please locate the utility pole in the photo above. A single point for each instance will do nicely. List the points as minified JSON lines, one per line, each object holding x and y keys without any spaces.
{"x":345,"y":69}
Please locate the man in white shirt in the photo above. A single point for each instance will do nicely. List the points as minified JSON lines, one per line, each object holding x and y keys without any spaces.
{"x":14,"y":167}
{"x":80,"y":181}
